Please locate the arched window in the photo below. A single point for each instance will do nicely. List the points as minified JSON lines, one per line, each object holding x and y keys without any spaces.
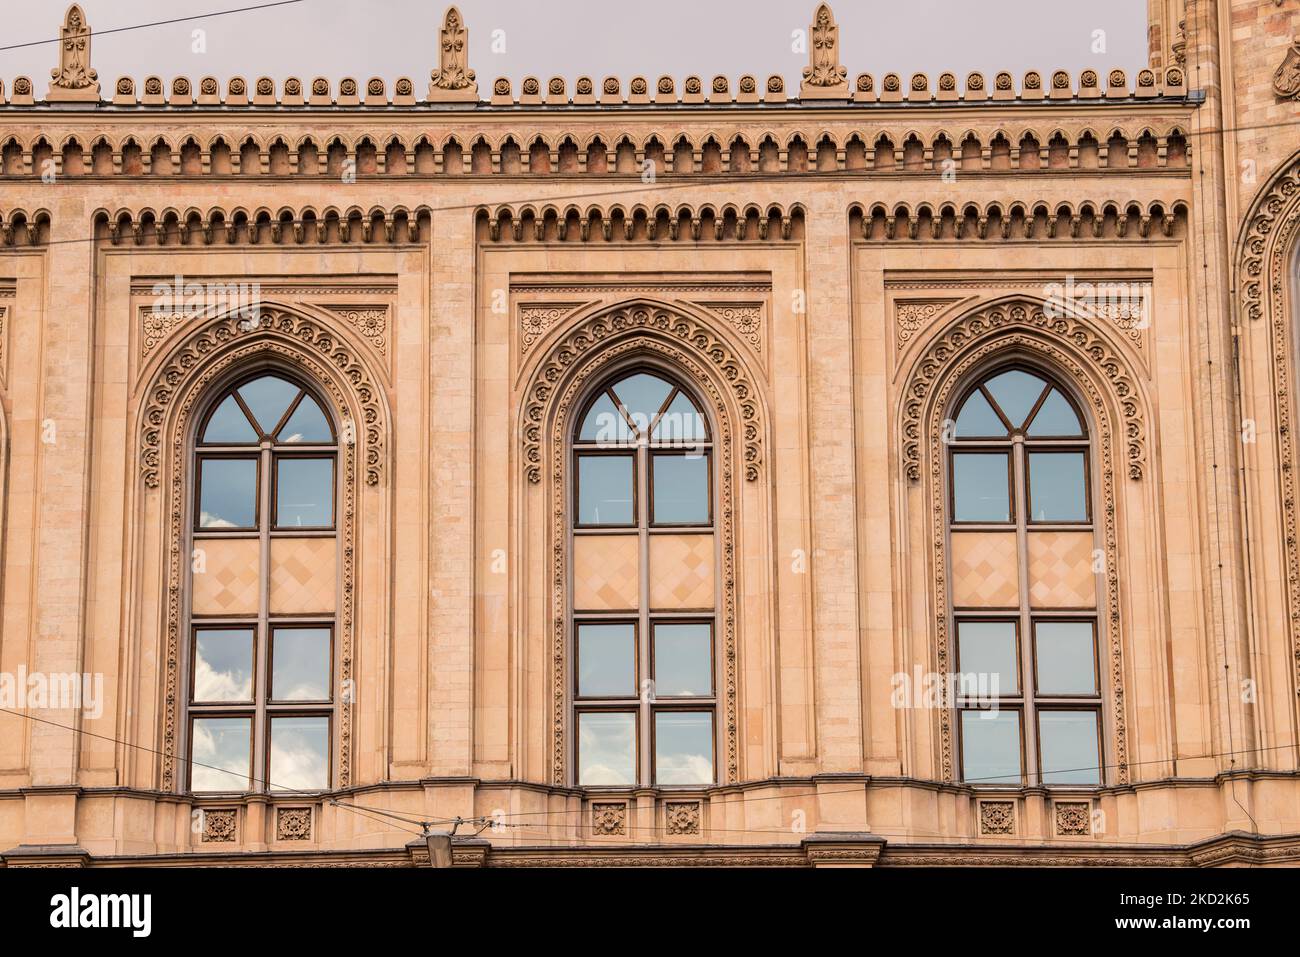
{"x":642,"y":679}
{"x":1024,"y":579}
{"x":261,"y":695}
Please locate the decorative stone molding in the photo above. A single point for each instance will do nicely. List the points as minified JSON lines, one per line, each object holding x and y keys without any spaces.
{"x":824,"y":76}
{"x":1039,"y":220}
{"x":1084,"y":357}
{"x":1266,"y":251}
{"x":682,"y":817}
{"x":911,"y":316}
{"x":293,"y":824}
{"x":745,"y":317}
{"x":238,"y":226}
{"x":74,"y":80}
{"x":1286,"y":81}
{"x":279,"y":323}
{"x":1073,"y":818}
{"x":1000,"y":319}
{"x":18,"y":227}
{"x":220,"y":825}
{"x":557,"y":385}
{"x":640,"y":223}
{"x":997,"y":817}
{"x":453,"y":80}
{"x":664,"y":321}
{"x":371,"y":323}
{"x":536,"y":319}
{"x":157,"y":326}
{"x":609,"y":818}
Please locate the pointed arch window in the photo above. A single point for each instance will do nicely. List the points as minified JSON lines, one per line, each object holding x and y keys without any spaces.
{"x":260,"y":677}
{"x":643,"y":591}
{"x":1024,"y":580}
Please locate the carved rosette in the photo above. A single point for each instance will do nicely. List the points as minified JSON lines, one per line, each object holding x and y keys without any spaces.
{"x":370,"y":323}
{"x":997,"y":817}
{"x":293,"y":824}
{"x":1073,"y":818}
{"x":1082,"y":356}
{"x":682,"y":817}
{"x":609,"y":818}
{"x":219,"y":825}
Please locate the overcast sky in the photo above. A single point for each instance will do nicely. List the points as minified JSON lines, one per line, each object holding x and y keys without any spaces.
{"x":572,"y":38}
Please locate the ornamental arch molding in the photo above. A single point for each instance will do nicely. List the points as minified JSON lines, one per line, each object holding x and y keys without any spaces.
{"x":669,"y":325}
{"x":682,"y":346}
{"x":1102,"y":382}
{"x":1268,"y":259}
{"x":194,"y":371}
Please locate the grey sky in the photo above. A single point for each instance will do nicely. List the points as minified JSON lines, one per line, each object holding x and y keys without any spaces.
{"x":572,"y":38}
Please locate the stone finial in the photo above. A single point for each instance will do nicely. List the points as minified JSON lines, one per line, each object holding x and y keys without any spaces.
{"x":824,"y":76}
{"x":74,"y":80}
{"x":453,"y":80}
{"x":1286,"y":81}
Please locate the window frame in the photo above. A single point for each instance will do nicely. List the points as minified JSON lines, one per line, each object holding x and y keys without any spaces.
{"x":1029,"y":702}
{"x":260,"y":712}
{"x":641,"y":447}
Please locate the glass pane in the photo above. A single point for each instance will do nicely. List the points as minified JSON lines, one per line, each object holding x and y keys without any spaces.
{"x":228,"y":425}
{"x":681,"y":424}
{"x":681,"y":489}
{"x":307,"y":424}
{"x":227,"y":493}
{"x":605,"y":490}
{"x":300,"y":759}
{"x":300,"y":664}
{"x":642,"y":395}
{"x":221,"y":754}
{"x":1068,"y":740}
{"x":1055,"y":417}
{"x":990,"y":747}
{"x":987,"y":659}
{"x":980,"y":487}
{"x":605,"y":424}
{"x":1015,"y":392}
{"x":1056,"y":487}
{"x":683,"y":659}
{"x":1065,"y":657}
{"x":606,"y":748}
{"x":977,"y":418}
{"x":683,"y":747}
{"x":607,"y":660}
{"x":304,"y":493}
{"x":268,"y":398}
{"x":223,"y":664}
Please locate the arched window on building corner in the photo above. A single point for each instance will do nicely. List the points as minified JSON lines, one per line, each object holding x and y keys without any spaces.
{"x":260,"y":686}
{"x":642,"y":630}
{"x":1022,"y":544}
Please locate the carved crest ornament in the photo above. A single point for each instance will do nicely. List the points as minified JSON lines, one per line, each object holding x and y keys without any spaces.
{"x":453,"y":79}
{"x":74,"y":79}
{"x":1286,"y":81}
{"x":824,"y":75}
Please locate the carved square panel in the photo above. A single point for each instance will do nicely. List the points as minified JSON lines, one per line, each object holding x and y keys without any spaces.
{"x":681,"y":572}
{"x":220,"y":825}
{"x":226,"y":576}
{"x":1060,"y":570}
{"x":303,"y":580}
{"x":293,"y":824}
{"x":997,"y":817}
{"x":606,"y":572}
{"x":985,"y":570}
{"x":1073,"y":818}
{"x":609,"y":818}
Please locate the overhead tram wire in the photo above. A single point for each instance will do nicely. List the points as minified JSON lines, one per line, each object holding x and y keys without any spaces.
{"x":157,"y":23}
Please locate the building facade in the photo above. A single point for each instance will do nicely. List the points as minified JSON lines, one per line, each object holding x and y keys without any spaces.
{"x":894,"y":470}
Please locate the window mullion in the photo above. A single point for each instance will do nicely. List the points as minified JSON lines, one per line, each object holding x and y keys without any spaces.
{"x":1028,"y":717}
{"x":262,"y":639}
{"x":644,"y":731}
